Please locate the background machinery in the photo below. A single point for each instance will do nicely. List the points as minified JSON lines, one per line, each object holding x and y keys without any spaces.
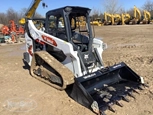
{"x":14,"y":28}
{"x":136,"y":16}
{"x":146,"y":17}
{"x":79,"y":21}
{"x":125,"y":18}
{"x":11,"y":33}
{"x":15,"y":31}
{"x":31,"y":11}
{"x":117,"y":19}
{"x":97,"y":22}
{"x":4,"y":31}
{"x":68,"y":57}
{"x":108,"y":19}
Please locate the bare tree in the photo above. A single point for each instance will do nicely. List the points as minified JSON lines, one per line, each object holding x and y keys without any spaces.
{"x":148,"y":5}
{"x":24,"y":11}
{"x":11,"y":14}
{"x":101,"y":16}
{"x":95,"y":13}
{"x":122,"y":10}
{"x":37,"y":15}
{"x":112,"y":6}
{"x":3,"y":18}
{"x":131,"y":12}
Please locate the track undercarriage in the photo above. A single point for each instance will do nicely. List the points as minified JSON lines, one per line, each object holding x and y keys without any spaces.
{"x":47,"y":69}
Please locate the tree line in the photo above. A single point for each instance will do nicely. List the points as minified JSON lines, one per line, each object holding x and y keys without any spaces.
{"x":12,"y":14}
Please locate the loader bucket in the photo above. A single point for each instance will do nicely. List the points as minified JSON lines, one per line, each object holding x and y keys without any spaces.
{"x":100,"y":90}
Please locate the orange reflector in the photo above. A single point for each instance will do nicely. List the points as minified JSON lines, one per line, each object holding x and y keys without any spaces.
{"x":30,"y":50}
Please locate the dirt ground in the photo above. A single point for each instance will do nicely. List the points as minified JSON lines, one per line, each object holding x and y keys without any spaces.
{"x":131,"y":44}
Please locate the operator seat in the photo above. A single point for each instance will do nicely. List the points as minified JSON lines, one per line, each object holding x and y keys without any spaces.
{"x":81,"y":41}
{"x":80,"y":38}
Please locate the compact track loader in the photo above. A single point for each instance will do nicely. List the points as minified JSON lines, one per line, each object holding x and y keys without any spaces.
{"x":69,"y":56}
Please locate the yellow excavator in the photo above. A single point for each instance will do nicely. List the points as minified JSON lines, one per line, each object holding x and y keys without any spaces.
{"x":125,"y":18}
{"x":117,"y":19}
{"x":31,"y":11}
{"x":136,"y":17}
{"x":147,"y":17}
{"x":108,"y":19}
{"x":80,"y":21}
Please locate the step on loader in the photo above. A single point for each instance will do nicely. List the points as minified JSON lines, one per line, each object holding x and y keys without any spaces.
{"x":64,"y":55}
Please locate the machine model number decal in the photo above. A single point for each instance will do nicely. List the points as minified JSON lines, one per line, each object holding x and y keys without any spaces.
{"x":88,"y":76}
{"x":49,"y":40}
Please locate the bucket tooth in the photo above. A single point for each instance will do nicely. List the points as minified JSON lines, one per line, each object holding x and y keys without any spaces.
{"x":134,"y":90}
{"x":118,"y":103}
{"x":145,"y":85}
{"x":140,"y":87}
{"x":111,"y":109}
{"x":131,"y":95}
{"x":125,"y":98}
{"x":101,"y":113}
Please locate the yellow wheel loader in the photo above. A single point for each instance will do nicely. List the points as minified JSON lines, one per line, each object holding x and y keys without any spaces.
{"x":69,"y":56}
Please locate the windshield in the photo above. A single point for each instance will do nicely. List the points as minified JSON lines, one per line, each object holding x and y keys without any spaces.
{"x":79,"y":27}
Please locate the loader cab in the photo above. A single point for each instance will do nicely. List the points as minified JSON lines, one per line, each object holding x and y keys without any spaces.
{"x":71,"y":24}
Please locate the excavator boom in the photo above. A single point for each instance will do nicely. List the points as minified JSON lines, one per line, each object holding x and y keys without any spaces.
{"x":110,"y":20}
{"x":32,"y":9}
{"x":147,"y":17}
{"x":125,"y":18}
{"x":136,"y":15}
{"x":30,"y":12}
{"x":117,"y":19}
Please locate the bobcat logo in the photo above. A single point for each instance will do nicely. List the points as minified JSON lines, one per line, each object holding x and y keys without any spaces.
{"x":86,"y":56}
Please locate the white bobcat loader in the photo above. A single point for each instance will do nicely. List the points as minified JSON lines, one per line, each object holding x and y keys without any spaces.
{"x":68,"y":55}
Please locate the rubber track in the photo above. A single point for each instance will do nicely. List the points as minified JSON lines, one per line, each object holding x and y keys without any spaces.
{"x":65,"y":73}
